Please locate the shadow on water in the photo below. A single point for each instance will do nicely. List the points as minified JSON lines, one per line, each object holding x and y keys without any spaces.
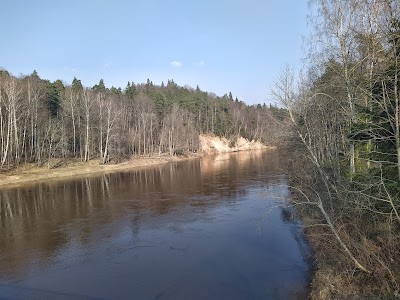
{"x":194,"y":229}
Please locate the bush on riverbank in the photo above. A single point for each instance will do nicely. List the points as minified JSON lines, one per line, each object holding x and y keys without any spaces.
{"x":372,"y":237}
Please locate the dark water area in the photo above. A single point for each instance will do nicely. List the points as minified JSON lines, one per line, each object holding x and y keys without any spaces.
{"x":210,"y":228}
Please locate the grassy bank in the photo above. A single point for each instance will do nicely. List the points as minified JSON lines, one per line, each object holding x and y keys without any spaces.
{"x":69,"y":168}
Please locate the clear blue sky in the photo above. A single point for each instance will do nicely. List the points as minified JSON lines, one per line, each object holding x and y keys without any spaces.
{"x":222,"y":45}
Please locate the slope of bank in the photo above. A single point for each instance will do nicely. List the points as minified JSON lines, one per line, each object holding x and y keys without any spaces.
{"x":62,"y":168}
{"x":209,"y":144}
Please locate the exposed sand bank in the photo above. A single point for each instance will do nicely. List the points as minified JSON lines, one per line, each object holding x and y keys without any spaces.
{"x":69,"y":168}
{"x":213,"y":144}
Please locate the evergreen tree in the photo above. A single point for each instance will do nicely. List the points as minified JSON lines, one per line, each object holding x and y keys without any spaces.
{"x":54,"y":93}
{"x":100,"y":87}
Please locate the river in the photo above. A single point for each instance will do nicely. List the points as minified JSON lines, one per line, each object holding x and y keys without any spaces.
{"x":210,"y":228}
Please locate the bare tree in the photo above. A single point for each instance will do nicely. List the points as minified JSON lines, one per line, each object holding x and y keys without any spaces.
{"x":88,"y":102}
{"x":109,"y":114}
{"x":284,"y":92}
{"x":178,"y":132}
{"x":10,"y":98}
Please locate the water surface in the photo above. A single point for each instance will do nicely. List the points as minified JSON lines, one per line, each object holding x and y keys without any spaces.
{"x":201,"y":229}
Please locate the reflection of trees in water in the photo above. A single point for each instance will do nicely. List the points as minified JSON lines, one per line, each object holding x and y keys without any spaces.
{"x":32,"y":219}
{"x":40,"y":220}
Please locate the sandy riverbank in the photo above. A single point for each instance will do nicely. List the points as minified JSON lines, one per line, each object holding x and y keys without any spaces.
{"x":62,"y":168}
{"x":70,"y":168}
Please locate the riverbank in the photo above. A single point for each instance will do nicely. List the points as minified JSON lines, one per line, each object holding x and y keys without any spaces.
{"x":62,"y":168}
{"x":372,"y":240}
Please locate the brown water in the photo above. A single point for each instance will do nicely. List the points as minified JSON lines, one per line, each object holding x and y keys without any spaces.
{"x":200,"y":229}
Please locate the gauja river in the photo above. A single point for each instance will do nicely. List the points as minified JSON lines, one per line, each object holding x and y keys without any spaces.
{"x":210,"y":228}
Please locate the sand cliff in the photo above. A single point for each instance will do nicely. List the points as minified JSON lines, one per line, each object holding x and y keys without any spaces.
{"x":214,"y":144}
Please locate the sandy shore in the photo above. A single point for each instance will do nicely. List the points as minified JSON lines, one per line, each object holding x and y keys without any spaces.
{"x":209,"y":144}
{"x":31,"y":173}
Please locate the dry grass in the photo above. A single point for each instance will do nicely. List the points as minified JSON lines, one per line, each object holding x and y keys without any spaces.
{"x":336,"y":277}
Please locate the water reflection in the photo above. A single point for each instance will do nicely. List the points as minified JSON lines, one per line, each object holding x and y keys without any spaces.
{"x":182,"y":212}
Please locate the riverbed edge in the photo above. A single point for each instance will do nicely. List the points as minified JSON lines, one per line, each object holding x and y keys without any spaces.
{"x":70,"y":168}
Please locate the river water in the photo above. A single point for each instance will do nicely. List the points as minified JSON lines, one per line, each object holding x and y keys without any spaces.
{"x":211,"y":228}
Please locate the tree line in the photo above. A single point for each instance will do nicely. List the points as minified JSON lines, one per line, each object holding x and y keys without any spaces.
{"x":41,"y":120}
{"x":345,"y":113}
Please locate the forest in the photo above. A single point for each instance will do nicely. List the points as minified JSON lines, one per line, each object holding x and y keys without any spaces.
{"x":345,"y":143}
{"x":338,"y":121}
{"x":42,"y":120}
